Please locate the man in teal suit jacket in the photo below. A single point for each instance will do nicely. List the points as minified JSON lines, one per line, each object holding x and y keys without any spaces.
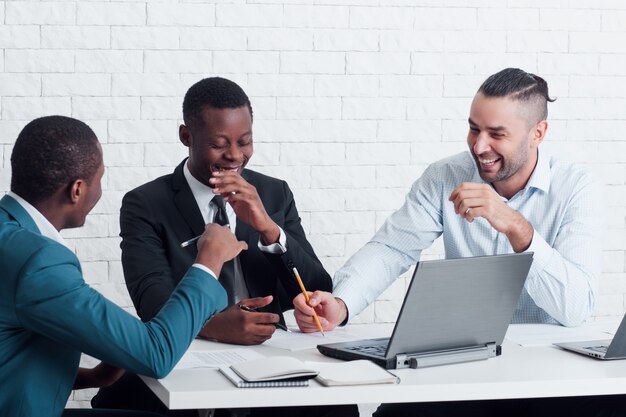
{"x":48,"y":314}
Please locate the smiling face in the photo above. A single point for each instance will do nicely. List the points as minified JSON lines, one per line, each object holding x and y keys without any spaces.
{"x":222,"y":141}
{"x":503,"y":140}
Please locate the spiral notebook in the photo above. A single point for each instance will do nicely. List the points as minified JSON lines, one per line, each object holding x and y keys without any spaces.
{"x":277,"y":371}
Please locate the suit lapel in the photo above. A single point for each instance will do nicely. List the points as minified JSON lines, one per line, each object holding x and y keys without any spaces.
{"x":185,"y":202}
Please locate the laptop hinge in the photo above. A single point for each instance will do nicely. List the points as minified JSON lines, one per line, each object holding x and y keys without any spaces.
{"x":444,"y":357}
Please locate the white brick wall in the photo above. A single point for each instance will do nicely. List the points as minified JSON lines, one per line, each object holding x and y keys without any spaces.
{"x":352,"y":98}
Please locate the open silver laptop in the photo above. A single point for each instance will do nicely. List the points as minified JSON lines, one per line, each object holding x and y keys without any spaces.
{"x":455,"y":310}
{"x":607,"y":349}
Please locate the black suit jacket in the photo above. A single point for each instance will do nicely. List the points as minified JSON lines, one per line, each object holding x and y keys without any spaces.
{"x":156,"y":217}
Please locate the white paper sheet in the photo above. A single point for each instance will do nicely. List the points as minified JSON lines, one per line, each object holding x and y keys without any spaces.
{"x":547,"y":334}
{"x":296,"y":340}
{"x":358,"y":372}
{"x":216,"y":358}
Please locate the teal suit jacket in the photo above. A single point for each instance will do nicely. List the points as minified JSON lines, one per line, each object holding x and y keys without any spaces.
{"x":49,"y":315}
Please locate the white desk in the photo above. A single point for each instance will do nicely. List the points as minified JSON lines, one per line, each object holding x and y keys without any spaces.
{"x":520,"y":372}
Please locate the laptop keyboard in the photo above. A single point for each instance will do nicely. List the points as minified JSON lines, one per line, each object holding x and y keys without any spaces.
{"x":600,"y":349}
{"x":377,"y":350}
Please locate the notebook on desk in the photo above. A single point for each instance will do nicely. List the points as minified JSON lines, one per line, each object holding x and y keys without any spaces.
{"x":275,"y":371}
{"x":455,"y":310}
{"x":607,"y":349}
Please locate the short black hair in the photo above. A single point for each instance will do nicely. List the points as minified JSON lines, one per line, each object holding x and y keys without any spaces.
{"x":50,"y":153}
{"x":215,"y":92}
{"x":522,"y":86}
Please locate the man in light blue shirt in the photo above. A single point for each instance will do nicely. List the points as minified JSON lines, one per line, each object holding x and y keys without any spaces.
{"x":501,"y":196}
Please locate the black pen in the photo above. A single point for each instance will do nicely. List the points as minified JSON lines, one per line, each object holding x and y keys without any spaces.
{"x":252,"y":310}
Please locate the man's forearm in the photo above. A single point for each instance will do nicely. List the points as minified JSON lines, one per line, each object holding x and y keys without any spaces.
{"x":520,"y":233}
{"x":271,"y":234}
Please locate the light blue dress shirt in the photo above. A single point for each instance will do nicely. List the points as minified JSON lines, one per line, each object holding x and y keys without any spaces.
{"x":561,"y":201}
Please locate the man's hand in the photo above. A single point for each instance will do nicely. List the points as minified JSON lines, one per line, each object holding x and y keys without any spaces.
{"x":100,"y":376}
{"x":216,"y":246}
{"x":245,"y":201}
{"x":240,"y":327}
{"x":330,"y":310}
{"x":472,"y":200}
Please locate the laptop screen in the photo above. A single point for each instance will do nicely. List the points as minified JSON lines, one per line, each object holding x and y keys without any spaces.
{"x":454,"y":303}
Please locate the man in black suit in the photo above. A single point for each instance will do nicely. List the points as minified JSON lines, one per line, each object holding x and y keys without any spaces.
{"x":158,"y":216}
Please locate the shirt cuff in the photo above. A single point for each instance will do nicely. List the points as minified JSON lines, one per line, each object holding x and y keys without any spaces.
{"x":542,"y":252}
{"x":278,"y":248}
{"x":205,"y":269}
{"x":351,"y":304}
{"x":347,"y":319}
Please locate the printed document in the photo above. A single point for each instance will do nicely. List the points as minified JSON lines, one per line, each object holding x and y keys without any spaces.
{"x":216,"y":358}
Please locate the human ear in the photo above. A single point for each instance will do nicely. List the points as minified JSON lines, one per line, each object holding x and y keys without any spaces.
{"x":184,"y":135}
{"x":539,"y":132}
{"x":77,"y":189}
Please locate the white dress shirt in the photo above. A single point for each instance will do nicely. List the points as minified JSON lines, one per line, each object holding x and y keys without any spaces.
{"x":561,"y":201}
{"x":45,"y":227}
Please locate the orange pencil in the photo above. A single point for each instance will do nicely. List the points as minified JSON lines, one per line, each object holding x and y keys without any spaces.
{"x":306,"y":297}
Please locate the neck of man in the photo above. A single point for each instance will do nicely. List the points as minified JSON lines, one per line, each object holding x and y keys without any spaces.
{"x":54,"y":211}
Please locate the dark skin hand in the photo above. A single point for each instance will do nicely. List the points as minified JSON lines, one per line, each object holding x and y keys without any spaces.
{"x":245,"y":201}
{"x":235,"y":325}
{"x":100,"y":376}
{"x":216,"y":246}
{"x":240,"y":327}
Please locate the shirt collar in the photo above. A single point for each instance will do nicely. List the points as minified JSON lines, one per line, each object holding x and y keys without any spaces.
{"x":201,"y":192}
{"x":45,"y":227}
{"x":540,"y":178}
